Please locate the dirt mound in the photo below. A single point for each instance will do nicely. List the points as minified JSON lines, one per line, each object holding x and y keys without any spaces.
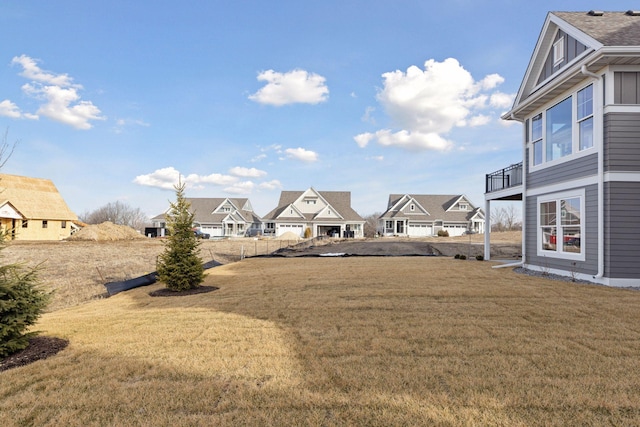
{"x":289,"y":235}
{"x":107,"y":231}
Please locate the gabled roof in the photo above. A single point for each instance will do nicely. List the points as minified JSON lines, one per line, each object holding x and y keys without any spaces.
{"x":340,"y":201}
{"x":438,"y":206}
{"x":607,"y":38}
{"x":34,"y":198}
{"x":206,"y":210}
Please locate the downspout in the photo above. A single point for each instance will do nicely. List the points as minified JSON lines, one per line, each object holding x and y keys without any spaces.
{"x":600,"y":273}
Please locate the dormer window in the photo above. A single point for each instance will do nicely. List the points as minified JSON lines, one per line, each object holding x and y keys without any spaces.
{"x":412,"y":208}
{"x":463,"y":207}
{"x":558,"y":52}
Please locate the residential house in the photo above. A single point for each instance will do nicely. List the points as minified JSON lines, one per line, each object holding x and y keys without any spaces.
{"x":422,"y":215}
{"x":218,"y":217}
{"x":323,"y":213}
{"x":33,"y":209}
{"x":579,"y":180}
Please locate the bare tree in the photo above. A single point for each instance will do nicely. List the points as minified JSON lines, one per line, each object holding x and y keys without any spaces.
{"x":371,"y":224}
{"x":506,"y":219}
{"x":6,"y":148}
{"x":118,"y":213}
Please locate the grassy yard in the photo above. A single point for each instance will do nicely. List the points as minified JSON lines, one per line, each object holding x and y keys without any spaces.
{"x":341,"y":341}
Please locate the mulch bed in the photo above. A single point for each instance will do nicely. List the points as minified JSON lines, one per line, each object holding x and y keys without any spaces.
{"x":166,"y":292}
{"x":39,"y":348}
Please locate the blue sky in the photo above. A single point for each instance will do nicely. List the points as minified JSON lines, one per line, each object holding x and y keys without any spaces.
{"x":114,"y":100}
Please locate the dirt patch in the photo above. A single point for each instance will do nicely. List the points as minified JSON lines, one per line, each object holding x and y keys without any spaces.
{"x":39,"y":348}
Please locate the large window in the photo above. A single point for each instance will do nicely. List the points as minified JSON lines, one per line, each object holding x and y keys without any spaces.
{"x":561,"y":225}
{"x":562,"y":130}
{"x":558,"y":130}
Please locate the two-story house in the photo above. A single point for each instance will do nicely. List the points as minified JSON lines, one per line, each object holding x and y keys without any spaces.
{"x":579,"y":180}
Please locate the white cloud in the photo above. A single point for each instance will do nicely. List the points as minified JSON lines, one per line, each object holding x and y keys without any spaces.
{"x":301,"y":154}
{"x":61,"y":101}
{"x":293,"y":87}
{"x":247,"y":172}
{"x":411,"y":140}
{"x":270,"y":185}
{"x":165,"y":178}
{"x":244,"y":187}
{"x":258,"y":158}
{"x":121,"y":124}
{"x":376,"y":158}
{"x":426,"y":104}
{"x":214,"y":178}
{"x":11,"y":110}
{"x":479,"y":120}
{"x":501,"y":100}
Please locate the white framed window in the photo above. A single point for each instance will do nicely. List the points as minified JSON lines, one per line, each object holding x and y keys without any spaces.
{"x":412,"y":208}
{"x":561,"y":223}
{"x":558,"y":52}
{"x":536,"y":138}
{"x":584,"y":115}
{"x":562,"y":130}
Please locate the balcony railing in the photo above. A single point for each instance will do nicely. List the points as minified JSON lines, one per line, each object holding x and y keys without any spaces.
{"x":504,"y":178}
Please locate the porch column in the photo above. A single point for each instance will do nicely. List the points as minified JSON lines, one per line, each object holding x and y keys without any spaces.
{"x":487,"y":230}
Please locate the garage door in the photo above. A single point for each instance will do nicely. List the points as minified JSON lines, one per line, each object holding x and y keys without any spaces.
{"x":212,"y":230}
{"x":419,"y":230}
{"x":294,"y":228}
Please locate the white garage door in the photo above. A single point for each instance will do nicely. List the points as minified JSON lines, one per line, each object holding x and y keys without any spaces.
{"x":212,"y":230}
{"x":419,"y":230}
{"x":294,"y":228}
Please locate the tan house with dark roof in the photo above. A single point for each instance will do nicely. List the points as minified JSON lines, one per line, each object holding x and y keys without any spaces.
{"x":219,"y":217}
{"x":323,"y":213}
{"x":423,"y":215}
{"x":33,"y":209}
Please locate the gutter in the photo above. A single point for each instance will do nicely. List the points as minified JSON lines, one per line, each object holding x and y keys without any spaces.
{"x":600,"y":272}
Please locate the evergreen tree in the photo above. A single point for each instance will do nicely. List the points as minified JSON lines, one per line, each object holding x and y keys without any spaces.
{"x":21,"y":304}
{"x":180,"y":266}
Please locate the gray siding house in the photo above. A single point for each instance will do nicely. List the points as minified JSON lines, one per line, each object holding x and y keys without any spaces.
{"x":579,"y":180}
{"x":219,"y":217}
{"x":423,"y":215}
{"x":322,"y":213}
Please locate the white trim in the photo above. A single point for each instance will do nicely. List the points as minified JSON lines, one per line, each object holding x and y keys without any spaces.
{"x":559,"y":253}
{"x":621,"y":108}
{"x":622,"y":176}
{"x":592,"y":279}
{"x":558,"y":51}
{"x":563,"y":186}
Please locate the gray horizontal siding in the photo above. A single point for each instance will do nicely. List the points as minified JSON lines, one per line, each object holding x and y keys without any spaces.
{"x":622,"y":142}
{"x":573,"y":169}
{"x":590,"y":239}
{"x":622,"y":233}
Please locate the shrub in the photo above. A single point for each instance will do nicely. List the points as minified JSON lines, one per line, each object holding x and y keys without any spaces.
{"x":457,"y":256}
{"x":180,"y":266}
{"x":21,"y":304}
{"x":479,"y":258}
{"x":307,"y":233}
{"x":463,"y":257}
{"x":443,"y":233}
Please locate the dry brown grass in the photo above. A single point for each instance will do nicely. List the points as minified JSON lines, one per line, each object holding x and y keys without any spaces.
{"x":341,"y":341}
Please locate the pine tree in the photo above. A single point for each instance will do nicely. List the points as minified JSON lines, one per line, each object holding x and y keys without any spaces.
{"x":21,"y":304}
{"x":180,"y":266}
